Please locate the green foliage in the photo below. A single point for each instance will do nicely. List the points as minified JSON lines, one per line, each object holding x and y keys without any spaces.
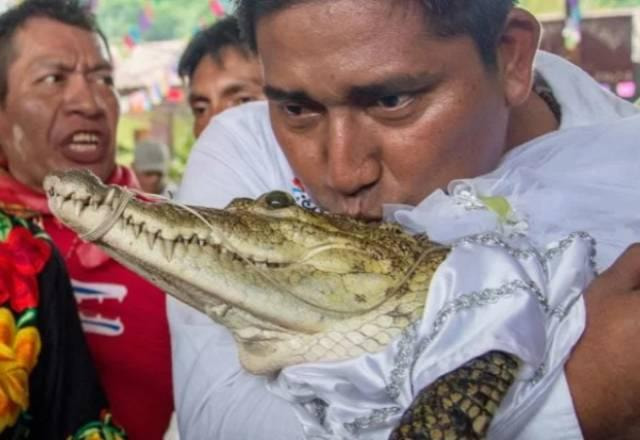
{"x":611,"y":3}
{"x":545,"y":6}
{"x":171,"y":19}
{"x":180,"y":19}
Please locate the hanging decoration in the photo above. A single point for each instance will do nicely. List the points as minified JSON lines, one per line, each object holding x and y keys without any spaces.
{"x":145,"y":18}
{"x":571,"y":32}
{"x":165,"y":88}
{"x":144,"y":22}
{"x":216,"y":8}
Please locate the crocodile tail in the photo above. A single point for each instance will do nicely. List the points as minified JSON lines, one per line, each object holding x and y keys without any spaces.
{"x":462,"y":403}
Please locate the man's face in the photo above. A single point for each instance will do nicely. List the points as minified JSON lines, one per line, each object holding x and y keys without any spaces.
{"x":371,"y":109}
{"x":61,"y":109}
{"x":151,"y":181}
{"x":216,"y":86}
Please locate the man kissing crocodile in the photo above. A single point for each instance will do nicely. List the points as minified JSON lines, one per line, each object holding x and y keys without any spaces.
{"x":432,"y":341}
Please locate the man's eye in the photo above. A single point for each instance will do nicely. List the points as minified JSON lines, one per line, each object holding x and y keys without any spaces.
{"x":245,"y":99}
{"x":293,"y":110}
{"x":299,"y":115}
{"x":52,"y":78}
{"x":394,"y":101}
{"x":107,"y":80}
{"x":198,"y":110}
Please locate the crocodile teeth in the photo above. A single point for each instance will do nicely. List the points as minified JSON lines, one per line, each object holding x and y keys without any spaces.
{"x":110,"y":196}
{"x":151,"y":239}
{"x":219,"y":311}
{"x":168,"y":247}
{"x":58,"y":201}
{"x":78,"y":206}
{"x":133,"y":228}
{"x":180,"y":248}
{"x":137,"y":229}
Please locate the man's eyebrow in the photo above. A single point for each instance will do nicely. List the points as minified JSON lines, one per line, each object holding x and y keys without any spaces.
{"x":276,"y":94}
{"x":393,"y":86}
{"x":48,"y":63}
{"x":234,"y":88}
{"x":57,"y":64}
{"x":196,"y":97}
{"x":105,"y":65}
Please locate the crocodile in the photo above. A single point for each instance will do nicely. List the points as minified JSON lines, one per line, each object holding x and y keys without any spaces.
{"x":292,"y":285}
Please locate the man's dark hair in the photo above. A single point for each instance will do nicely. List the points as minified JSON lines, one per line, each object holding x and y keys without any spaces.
{"x":70,"y":12}
{"x":213,"y":41}
{"x":482,"y":20}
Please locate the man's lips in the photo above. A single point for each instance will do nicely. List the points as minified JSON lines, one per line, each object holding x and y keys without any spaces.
{"x":363,"y":207}
{"x":84,"y":147}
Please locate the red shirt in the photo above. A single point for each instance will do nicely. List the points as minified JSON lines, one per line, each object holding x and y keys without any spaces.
{"x":123,"y":316}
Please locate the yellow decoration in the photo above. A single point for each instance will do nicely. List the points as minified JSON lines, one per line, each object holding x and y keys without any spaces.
{"x":499,"y":205}
{"x":19,"y":350}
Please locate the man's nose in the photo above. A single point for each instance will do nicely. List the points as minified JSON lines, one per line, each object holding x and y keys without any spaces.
{"x":81,"y":97}
{"x":351,"y":156}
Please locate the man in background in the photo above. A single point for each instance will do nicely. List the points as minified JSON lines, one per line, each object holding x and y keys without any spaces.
{"x":59,"y":110}
{"x":151,"y":160}
{"x":220,"y":71}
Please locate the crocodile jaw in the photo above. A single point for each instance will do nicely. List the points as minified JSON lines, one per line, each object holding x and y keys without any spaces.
{"x":167,"y":243}
{"x":283,"y":309}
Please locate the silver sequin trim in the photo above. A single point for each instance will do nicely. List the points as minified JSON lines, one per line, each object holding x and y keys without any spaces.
{"x":494,"y":240}
{"x":403,"y":359}
{"x":378,"y":417}
{"x":408,"y":353}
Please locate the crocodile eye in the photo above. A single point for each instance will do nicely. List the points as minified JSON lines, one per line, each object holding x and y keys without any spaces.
{"x":278,"y":200}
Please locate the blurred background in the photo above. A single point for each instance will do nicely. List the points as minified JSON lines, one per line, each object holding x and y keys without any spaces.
{"x":148,"y":36}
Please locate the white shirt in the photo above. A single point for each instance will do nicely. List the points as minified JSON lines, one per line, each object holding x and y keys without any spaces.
{"x":238,"y":156}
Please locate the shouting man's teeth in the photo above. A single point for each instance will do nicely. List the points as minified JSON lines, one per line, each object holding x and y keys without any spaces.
{"x":83,"y":142}
{"x":85,"y":138}
{"x":83,"y":148}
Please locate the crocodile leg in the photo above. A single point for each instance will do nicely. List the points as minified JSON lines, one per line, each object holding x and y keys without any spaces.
{"x":460,"y":404}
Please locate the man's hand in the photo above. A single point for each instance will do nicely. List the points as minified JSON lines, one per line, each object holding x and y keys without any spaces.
{"x":604,"y":368}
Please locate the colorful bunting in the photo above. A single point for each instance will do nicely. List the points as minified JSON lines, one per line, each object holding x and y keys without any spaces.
{"x":216,"y":8}
{"x":161,"y":90}
{"x":145,"y":18}
{"x":128,"y":41}
{"x":571,"y":32}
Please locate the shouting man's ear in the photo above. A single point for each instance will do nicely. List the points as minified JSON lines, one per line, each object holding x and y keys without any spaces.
{"x":516,"y":51}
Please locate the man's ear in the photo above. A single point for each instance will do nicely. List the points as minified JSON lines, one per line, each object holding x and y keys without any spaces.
{"x":516,"y":51}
